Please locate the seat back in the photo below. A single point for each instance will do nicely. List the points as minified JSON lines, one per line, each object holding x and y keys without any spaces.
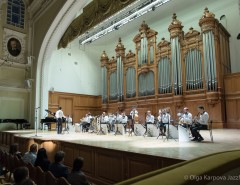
{"x":63,"y":181}
{"x":40,"y":176}
{"x":32,"y":171}
{"x":50,"y":178}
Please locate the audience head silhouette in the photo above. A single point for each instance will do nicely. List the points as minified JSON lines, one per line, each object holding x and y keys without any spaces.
{"x":42,"y":154}
{"x":20,"y":174}
{"x":13,"y":148}
{"x":77,"y":164}
{"x":59,"y":156}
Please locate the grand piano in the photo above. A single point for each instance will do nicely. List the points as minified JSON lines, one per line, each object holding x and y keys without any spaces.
{"x":22,"y":122}
{"x":48,"y":120}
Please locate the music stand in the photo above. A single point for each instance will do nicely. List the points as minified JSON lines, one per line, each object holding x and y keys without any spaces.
{"x":169,"y":136}
{"x":66,"y":127}
{"x":100,"y":132}
{"x":116,"y":129}
{"x":148,"y":131}
{"x":36,"y":124}
{"x":117,"y":132}
{"x":160,"y":132}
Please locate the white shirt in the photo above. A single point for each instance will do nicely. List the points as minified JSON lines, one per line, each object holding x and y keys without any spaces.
{"x":133,"y":113}
{"x":69,"y":120}
{"x":112,"y":118}
{"x":59,"y":114}
{"x":186,"y":118}
{"x":164,"y":118}
{"x":203,"y":120}
{"x":104,"y":119}
{"x":122,"y":119}
{"x":150,"y":118}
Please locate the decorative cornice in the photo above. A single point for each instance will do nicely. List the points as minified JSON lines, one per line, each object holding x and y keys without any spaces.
{"x":93,"y":14}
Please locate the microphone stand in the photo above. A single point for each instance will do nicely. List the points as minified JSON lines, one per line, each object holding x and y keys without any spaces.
{"x":169,"y":136}
{"x":36,"y":123}
{"x":116,"y":130}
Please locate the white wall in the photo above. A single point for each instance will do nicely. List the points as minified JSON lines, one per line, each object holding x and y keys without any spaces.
{"x":75,"y":70}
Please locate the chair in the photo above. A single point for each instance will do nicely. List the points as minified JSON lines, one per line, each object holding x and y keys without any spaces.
{"x":63,"y":181}
{"x":50,"y":178}
{"x":40,"y":176}
{"x":209,"y":128}
{"x":32,"y":171}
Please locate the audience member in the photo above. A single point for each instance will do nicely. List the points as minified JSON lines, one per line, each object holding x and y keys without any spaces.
{"x":77,"y":177}
{"x":30,"y":157}
{"x":27,"y":182}
{"x":42,"y":159}
{"x":13,"y":150}
{"x":57,"y":168}
{"x":20,"y":174}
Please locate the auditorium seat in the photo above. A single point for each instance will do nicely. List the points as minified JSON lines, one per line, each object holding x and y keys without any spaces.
{"x":50,"y":178}
{"x":63,"y":181}
{"x":40,"y":176}
{"x":32,"y":171}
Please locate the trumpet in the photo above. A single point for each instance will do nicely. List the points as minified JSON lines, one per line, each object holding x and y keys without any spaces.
{"x":196,"y":118}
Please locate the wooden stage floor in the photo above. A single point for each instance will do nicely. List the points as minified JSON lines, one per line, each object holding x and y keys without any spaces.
{"x":224,"y":140}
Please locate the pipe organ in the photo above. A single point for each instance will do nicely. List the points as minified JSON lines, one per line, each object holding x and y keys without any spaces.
{"x":188,"y":70}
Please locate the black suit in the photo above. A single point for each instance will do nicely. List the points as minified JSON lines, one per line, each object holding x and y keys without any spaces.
{"x":58,"y":170}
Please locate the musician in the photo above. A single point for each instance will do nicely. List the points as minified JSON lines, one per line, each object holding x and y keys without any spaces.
{"x":112,"y":120}
{"x":163,"y":120}
{"x":105,"y":120}
{"x":185,"y":118}
{"x":59,"y":116}
{"x":133,"y":113}
{"x":123,"y":119}
{"x":149,"y":120}
{"x":67,"y":122}
{"x":200,"y":123}
{"x":69,"y":119}
{"x":85,"y":122}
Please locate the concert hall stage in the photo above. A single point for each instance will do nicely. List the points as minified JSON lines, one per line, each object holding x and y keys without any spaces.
{"x":110,"y":159}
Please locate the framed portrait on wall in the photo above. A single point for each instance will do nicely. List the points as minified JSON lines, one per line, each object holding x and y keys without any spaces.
{"x":14,"y":46}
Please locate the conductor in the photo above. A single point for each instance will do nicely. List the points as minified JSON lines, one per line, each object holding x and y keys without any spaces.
{"x":59,"y":115}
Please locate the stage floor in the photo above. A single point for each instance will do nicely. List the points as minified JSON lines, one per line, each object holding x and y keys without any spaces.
{"x":224,"y":140}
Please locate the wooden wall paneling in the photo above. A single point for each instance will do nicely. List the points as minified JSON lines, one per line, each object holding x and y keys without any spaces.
{"x":23,"y":143}
{"x":137,"y":164}
{"x":232,"y":99}
{"x":67,"y":105}
{"x":51,"y":146}
{"x":165,"y":162}
{"x":68,"y":148}
{"x":76,"y":105}
{"x":109,"y":165}
{"x":89,"y":163}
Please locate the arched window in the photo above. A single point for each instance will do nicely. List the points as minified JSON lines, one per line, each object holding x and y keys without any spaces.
{"x":15,"y":13}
